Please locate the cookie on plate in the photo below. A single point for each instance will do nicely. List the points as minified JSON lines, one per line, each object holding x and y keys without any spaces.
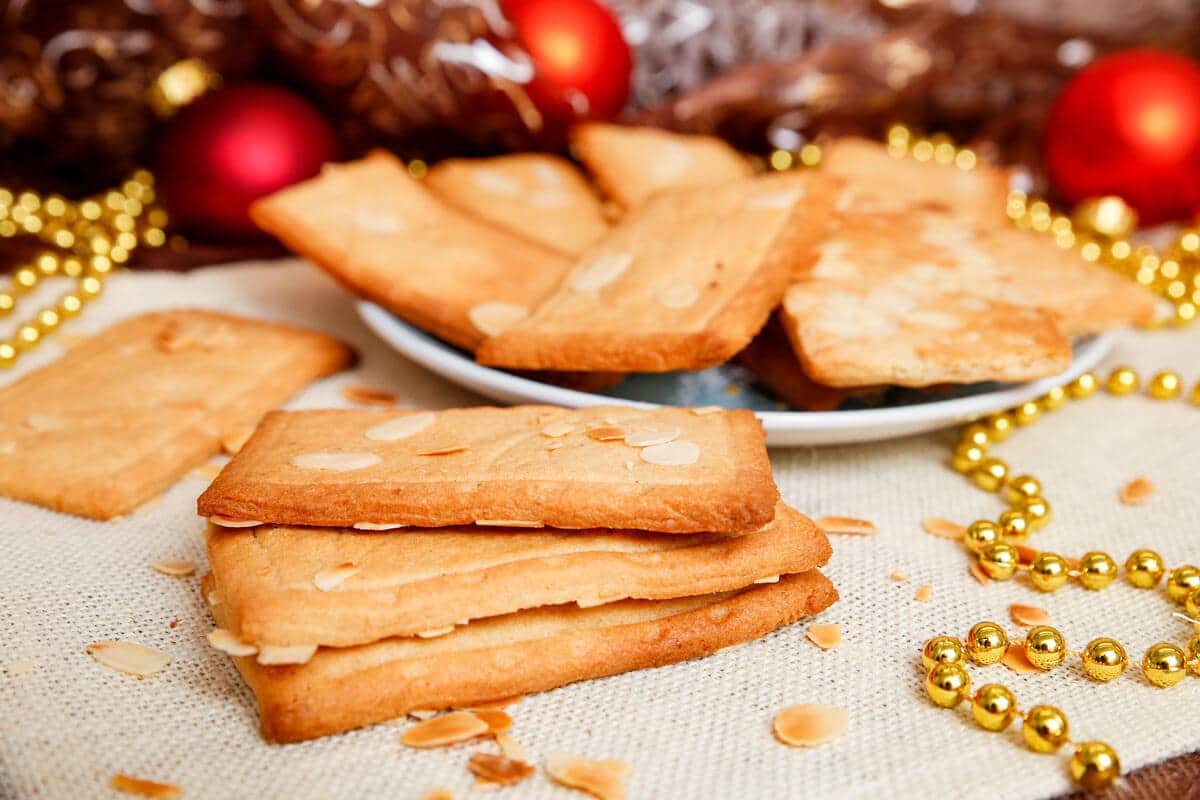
{"x":774,"y":363}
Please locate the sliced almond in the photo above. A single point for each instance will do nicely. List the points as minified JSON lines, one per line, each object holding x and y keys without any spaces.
{"x":434,"y":633}
{"x":768,"y":579}
{"x":557,"y":429}
{"x":438,"y":793}
{"x":599,"y":272}
{"x":176,"y":569}
{"x":924,"y":592}
{"x":422,"y":714}
{"x":500,"y":770}
{"x":1025,"y":554}
{"x":1015,"y":659}
{"x":703,"y":411}
{"x":825,"y":637}
{"x":362,"y":395}
{"x":43,"y":423}
{"x":448,"y":729}
{"x":230,"y":522}
{"x":226,"y":642}
{"x":606,"y":434}
{"x":144,"y":788}
{"x":329,"y":579}
{"x":899,"y":576}
{"x":503,"y":702}
{"x":678,"y":453}
{"x":602,"y":779}
{"x":444,"y":451}
{"x":555,"y":445}
{"x":494,"y":318}
{"x":1028,"y":616}
{"x":378,"y":526}
{"x":510,"y":523}
{"x":651,"y":438}
{"x":1136,"y":492}
{"x":944,"y":528}
{"x":235,"y":439}
{"x":335,"y":462}
{"x":270,"y":654}
{"x":978,"y":573}
{"x":401,"y":427}
{"x":497,"y":721}
{"x":676,"y":294}
{"x":810,"y":725}
{"x":132,"y":659}
{"x":511,"y":748}
{"x":851,"y":526}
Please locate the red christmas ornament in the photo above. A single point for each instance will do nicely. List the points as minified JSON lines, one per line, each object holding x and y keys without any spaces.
{"x":232,"y":146}
{"x":1129,"y":125}
{"x":581,"y":60}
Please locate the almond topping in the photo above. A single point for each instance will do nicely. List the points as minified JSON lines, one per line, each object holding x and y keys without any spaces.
{"x":132,"y":659}
{"x":401,"y":427}
{"x":978,"y":573}
{"x":899,"y":576}
{"x":497,"y":721}
{"x":924,"y":592}
{"x":1025,"y":554}
{"x":434,"y":633}
{"x":43,"y":423}
{"x":144,"y":788}
{"x":292,"y":654}
{"x":599,"y":272}
{"x":557,"y":429}
{"x":847,"y":525}
{"x":493,"y":319}
{"x":944,"y":528}
{"x":230,"y":522}
{"x":768,"y":579}
{"x":378,"y":526}
{"x":606,"y":434}
{"x":602,"y":779}
{"x":500,"y":770}
{"x":444,"y":451}
{"x":703,"y":411}
{"x":422,"y":714}
{"x":234,"y":440}
{"x":1136,"y":492}
{"x":678,"y":453}
{"x":176,"y":569}
{"x":367,"y":395}
{"x":651,"y":438}
{"x":226,"y":642}
{"x":810,"y":725}
{"x":1027,"y":616}
{"x":448,"y":729}
{"x":1015,"y":659}
{"x":511,"y":748}
{"x":329,"y":579}
{"x":552,"y":446}
{"x":825,"y":637}
{"x":335,"y":462}
{"x":676,"y":295}
{"x":510,"y":523}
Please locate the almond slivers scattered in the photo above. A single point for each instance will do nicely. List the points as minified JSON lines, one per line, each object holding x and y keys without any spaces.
{"x":448,"y":729}
{"x":500,"y":770}
{"x":144,"y":788}
{"x":226,"y":642}
{"x":1015,"y":659}
{"x":132,"y":659}
{"x":444,"y":451}
{"x":943,"y":528}
{"x":502,"y":702}
{"x":677,"y":453}
{"x":557,"y":429}
{"x":511,"y":748}
{"x":606,"y":434}
{"x":847,"y":525}
{"x":401,"y":427}
{"x":825,"y":637}
{"x":438,"y":793}
{"x":810,"y":725}
{"x":924,"y":593}
{"x":496,"y":720}
{"x":1027,"y":616}
{"x":176,"y":569}
{"x":602,"y":779}
{"x":978,"y":573}
{"x":270,"y":654}
{"x":651,"y":438}
{"x":494,"y":318}
{"x":329,"y":579}
{"x":230,"y":522}
{"x":1136,"y":492}
{"x":362,"y":395}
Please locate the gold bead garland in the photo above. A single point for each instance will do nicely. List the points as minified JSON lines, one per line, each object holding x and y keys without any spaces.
{"x":85,"y":241}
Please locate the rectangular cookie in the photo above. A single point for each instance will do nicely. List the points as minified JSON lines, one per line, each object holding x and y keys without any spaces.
{"x":683,"y":282}
{"x":633,"y":163}
{"x":774,"y":363}
{"x":540,"y":196}
{"x":527,"y":466}
{"x":337,"y":587}
{"x":388,"y":238}
{"x":529,"y":651}
{"x":122,"y":416}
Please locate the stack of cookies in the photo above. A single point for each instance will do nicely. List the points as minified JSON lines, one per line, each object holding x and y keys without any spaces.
{"x":369,"y":564}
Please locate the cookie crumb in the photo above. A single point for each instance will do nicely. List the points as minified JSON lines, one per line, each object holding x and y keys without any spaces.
{"x":924,"y":592}
{"x":144,"y":788}
{"x":448,"y":729}
{"x":825,"y":637}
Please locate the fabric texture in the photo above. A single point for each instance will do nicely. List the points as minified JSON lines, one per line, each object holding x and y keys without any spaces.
{"x":696,"y":730}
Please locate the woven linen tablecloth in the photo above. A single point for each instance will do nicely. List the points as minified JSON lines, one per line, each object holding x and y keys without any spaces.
{"x":693,"y":730}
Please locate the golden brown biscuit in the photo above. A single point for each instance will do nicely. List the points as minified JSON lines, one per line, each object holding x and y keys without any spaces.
{"x":339,"y":587}
{"x":631,"y":163}
{"x":529,"y":651}
{"x":378,"y":231}
{"x":122,"y":416}
{"x":774,"y":363}
{"x":685,"y":472}
{"x":540,"y":196}
{"x":683,"y":282}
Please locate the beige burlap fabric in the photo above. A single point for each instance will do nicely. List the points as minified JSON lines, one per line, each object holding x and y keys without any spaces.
{"x":696,"y":730}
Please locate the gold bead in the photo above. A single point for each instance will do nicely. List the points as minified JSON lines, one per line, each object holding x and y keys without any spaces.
{"x":69,"y":305}
{"x":1144,"y":568}
{"x":47,"y":264}
{"x":47,"y":320}
{"x":1094,"y":765}
{"x":24,"y":279}
{"x":1027,"y":413}
{"x":1045,"y":647}
{"x":981,"y":534}
{"x":1104,"y":659}
{"x":942,"y":650}
{"x":1084,"y":386}
{"x":1038,"y":510}
{"x":1096,"y":570}
{"x":1045,"y":729}
{"x":7,"y":303}
{"x":1022,"y":486}
{"x":1054,"y":399}
{"x":1191,"y":605}
{"x":986,"y":643}
{"x":999,"y":426}
{"x":1196,"y":393}
{"x":947,"y":684}
{"x":1182,"y":581}
{"x":1014,"y":526}
{"x":72,"y":267}
{"x":89,"y":287}
{"x":1123,"y":380}
{"x":990,"y":474}
{"x":1049,"y":571}
{"x":1164,"y":664}
{"x":8,"y":355}
{"x":977,"y":434}
{"x":1193,"y":653}
{"x":999,"y":561}
{"x":1165,"y":385}
{"x":994,"y":707}
{"x":27,"y":337}
{"x":967,"y":457}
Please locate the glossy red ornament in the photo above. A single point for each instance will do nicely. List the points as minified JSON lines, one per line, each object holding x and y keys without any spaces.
{"x":1129,"y":125}
{"x":232,"y":146}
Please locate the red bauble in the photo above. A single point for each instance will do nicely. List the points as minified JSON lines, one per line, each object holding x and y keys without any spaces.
{"x":1129,"y":125}
{"x":231,"y":147}
{"x":581,"y":59}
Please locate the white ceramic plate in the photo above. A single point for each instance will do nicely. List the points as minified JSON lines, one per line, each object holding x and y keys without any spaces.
{"x":900,"y":412}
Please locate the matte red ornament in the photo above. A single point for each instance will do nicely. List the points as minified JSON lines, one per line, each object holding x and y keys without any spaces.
{"x":232,"y":146}
{"x":1129,"y":125}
